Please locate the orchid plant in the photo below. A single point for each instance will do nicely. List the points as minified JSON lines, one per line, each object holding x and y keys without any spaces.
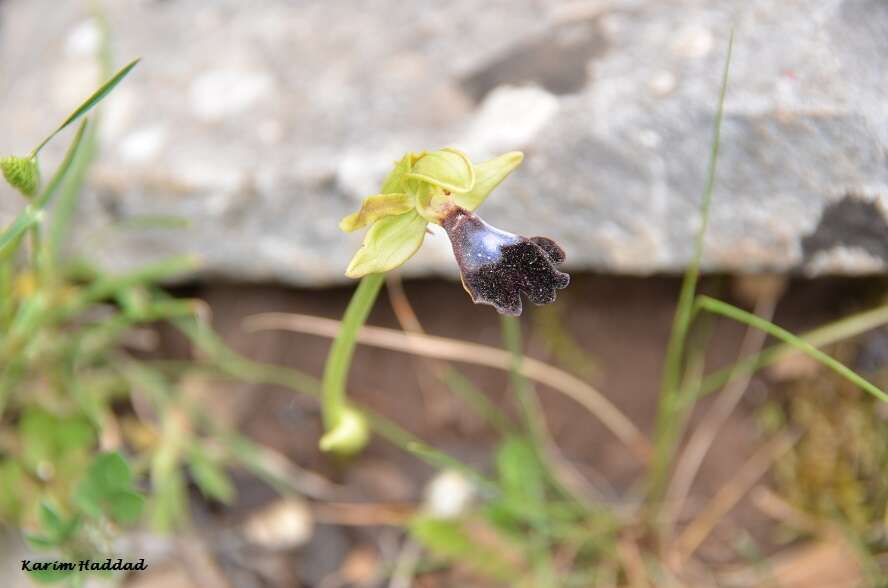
{"x":442,"y":187}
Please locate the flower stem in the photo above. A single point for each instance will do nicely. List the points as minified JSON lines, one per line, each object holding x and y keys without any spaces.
{"x":339,"y":359}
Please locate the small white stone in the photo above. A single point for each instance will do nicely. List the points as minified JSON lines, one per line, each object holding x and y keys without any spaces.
{"x":143,"y":144}
{"x":84,"y":39}
{"x":448,"y":495}
{"x":284,"y":524}
{"x":219,"y":93}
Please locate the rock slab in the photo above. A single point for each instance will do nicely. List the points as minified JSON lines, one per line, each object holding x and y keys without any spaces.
{"x":255,"y":126}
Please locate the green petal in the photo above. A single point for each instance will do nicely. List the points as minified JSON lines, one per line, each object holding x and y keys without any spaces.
{"x":389,"y":243}
{"x":488,"y":176}
{"x":431,"y":202}
{"x":375,"y":208}
{"x":448,"y":168}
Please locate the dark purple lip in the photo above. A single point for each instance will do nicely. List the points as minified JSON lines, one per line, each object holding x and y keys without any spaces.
{"x":497,"y":266}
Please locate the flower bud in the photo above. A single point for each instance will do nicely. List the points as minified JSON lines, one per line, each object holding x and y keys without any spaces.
{"x":22,"y":173}
{"x":349,"y":435}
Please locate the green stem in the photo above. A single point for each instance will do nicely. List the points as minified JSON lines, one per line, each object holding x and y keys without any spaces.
{"x":511,"y":329}
{"x":333,"y":399}
{"x":723,"y":308}
{"x":37,"y":258}
{"x":842,"y":329}
{"x":671,"y":404}
{"x":476,"y":400}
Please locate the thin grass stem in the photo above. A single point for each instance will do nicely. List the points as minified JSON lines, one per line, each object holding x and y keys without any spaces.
{"x":837,"y":331}
{"x":667,"y":432}
{"x":723,"y":308}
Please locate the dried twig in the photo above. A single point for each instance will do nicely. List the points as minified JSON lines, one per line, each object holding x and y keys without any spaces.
{"x":702,"y":438}
{"x":730,"y":494}
{"x":474,"y":353}
{"x":633,"y":563}
{"x":439,"y":406}
{"x":362,"y":514}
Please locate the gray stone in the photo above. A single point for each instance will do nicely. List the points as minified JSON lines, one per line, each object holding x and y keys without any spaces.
{"x":263,"y":123}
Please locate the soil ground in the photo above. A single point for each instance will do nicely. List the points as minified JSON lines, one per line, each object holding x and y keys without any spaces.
{"x":621,"y":323}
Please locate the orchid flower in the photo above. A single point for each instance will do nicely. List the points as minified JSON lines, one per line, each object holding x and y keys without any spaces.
{"x":444,"y":187}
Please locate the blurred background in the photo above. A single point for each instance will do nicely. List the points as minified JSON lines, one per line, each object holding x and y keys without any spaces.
{"x":250,"y":128}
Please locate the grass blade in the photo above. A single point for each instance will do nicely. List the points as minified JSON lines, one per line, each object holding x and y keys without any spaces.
{"x":842,"y":329}
{"x":71,"y":186}
{"x":62,"y":172}
{"x":723,"y":308}
{"x":667,"y":432}
{"x":90,"y":103}
{"x":9,"y":239}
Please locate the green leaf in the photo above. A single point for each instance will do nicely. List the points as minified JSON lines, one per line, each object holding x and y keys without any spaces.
{"x":107,"y":489}
{"x":390,"y":242}
{"x":88,"y":499}
{"x":71,"y":185}
{"x":90,"y":102}
{"x":13,"y":486}
{"x":125,"y":506}
{"x":723,"y":308}
{"x":12,"y":235}
{"x":376,"y":207}
{"x":209,"y":477}
{"x":169,"y":501}
{"x":449,"y":539}
{"x":37,"y":431}
{"x":40,"y":543}
{"x":74,"y":433}
{"x":62,"y":172}
{"x":51,"y":521}
{"x":447,"y":168}
{"x":520,"y":473}
{"x":111,"y":472}
{"x":62,"y":441}
{"x":56,"y":528}
{"x":488,"y":175}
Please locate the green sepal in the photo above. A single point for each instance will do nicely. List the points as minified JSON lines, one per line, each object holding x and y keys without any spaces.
{"x":389,"y":243}
{"x":488,"y":175}
{"x":376,"y":207}
{"x":394,"y":182}
{"x":446,"y":168}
